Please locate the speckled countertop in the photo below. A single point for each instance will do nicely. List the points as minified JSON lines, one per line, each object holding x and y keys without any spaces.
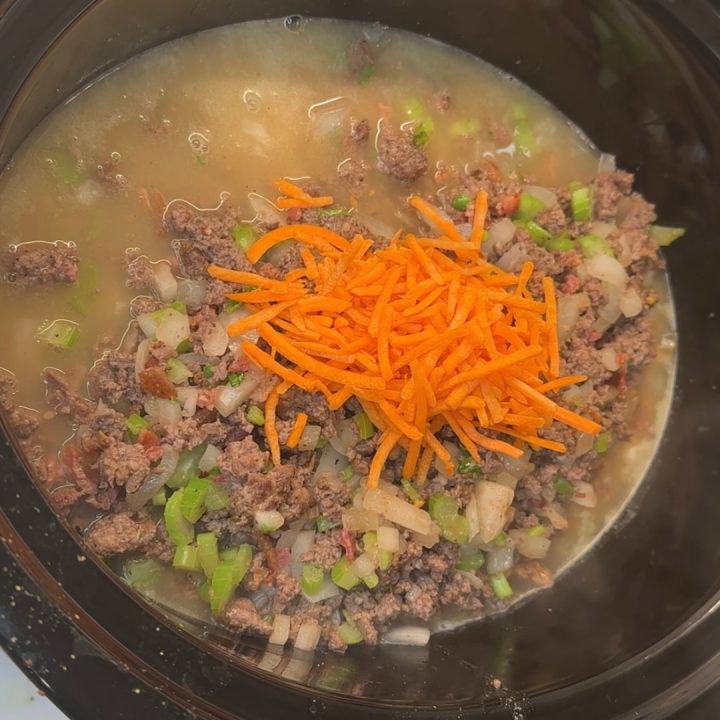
{"x":20,"y":699}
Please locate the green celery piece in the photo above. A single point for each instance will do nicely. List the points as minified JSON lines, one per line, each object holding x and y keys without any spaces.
{"x":349,"y":634}
{"x":466,"y":465}
{"x":179,"y":529}
{"x":136,"y":424}
{"x":500,"y":539}
{"x":346,"y":473}
{"x":242,"y":562}
{"x":204,"y":591}
{"x":464,"y":128}
{"x":538,"y":233}
{"x":222,"y":586}
{"x":581,"y":204}
{"x":312,"y":579}
{"x":159,"y":499}
{"x":208,"y":556}
{"x":177,"y":371}
{"x":603,"y":442}
{"x":184,"y":346}
{"x":385,"y":559}
{"x":560,"y":244}
{"x":460,"y":202}
{"x":442,"y":508}
{"x":665,"y":236}
{"x":187,"y":466}
{"x":86,"y":288}
{"x":470,"y":559}
{"x":235,"y":379}
{"x":369,"y":540}
{"x":255,"y":415}
{"x":179,"y":305}
{"x":371,"y":581}
{"x":61,"y":334}
{"x":244,"y":236}
{"x":228,"y":554}
{"x":193,"y":501}
{"x":343,"y":575}
{"x":364,"y":425}
{"x":456,"y":529}
{"x":563,"y":486}
{"x":231,"y":306}
{"x":216,"y":497}
{"x":501,"y":587}
{"x":411,"y":491}
{"x":536,"y":531}
{"x":366,"y":72}
{"x":323,"y":524}
{"x":528,"y":207}
{"x":186,"y":558}
{"x":593,"y":245}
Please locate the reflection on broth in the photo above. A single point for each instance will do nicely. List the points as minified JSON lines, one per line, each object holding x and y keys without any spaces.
{"x":170,"y":163}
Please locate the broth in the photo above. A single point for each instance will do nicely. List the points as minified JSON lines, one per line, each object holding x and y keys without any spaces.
{"x":216,"y":116}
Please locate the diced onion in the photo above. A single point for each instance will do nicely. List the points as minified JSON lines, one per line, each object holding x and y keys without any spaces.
{"x":555,"y":515}
{"x":229,"y":399}
{"x":309,"y":438}
{"x":584,"y":444}
{"x":534,"y":547}
{"x":577,"y":395}
{"x":608,"y":358}
{"x":500,"y":559}
{"x":499,"y":236}
{"x":363,"y":565}
{"x":602,"y":229}
{"x":545,"y":196}
{"x":606,"y":163}
{"x":142,"y":355}
{"x":157,"y":479}
{"x":493,"y":500}
{"x":164,"y":412}
{"x":631,"y":303}
{"x":610,"y":312}
{"x":347,"y":436}
{"x":303,"y":542}
{"x":406,"y":635}
{"x":584,"y":494}
{"x":308,"y":635}
{"x":216,"y":340}
{"x":608,"y":269}
{"x":192,"y":293}
{"x":165,"y":282}
{"x":519,"y":467}
{"x":568,"y":313}
{"x":281,"y":630}
{"x":173,"y":328}
{"x":269,"y":520}
{"x":359,"y":520}
{"x":210,"y":458}
{"x":188,"y":397}
{"x":388,"y":538}
{"x":330,"y":462}
{"x":511,"y":260}
{"x":329,"y":589}
{"x":399,"y":511}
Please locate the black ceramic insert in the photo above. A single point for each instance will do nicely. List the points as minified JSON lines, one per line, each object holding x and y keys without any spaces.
{"x":633,"y":630}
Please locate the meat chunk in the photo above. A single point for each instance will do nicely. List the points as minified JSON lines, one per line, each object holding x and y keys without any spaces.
{"x":359,"y":130}
{"x":112,"y":377}
{"x":63,"y":399}
{"x":330,"y":494}
{"x":242,"y":615}
{"x":399,"y":157}
{"x":243,"y":457}
{"x":608,"y":190}
{"x":23,"y":420}
{"x":155,"y":381}
{"x":124,"y":465}
{"x":119,"y":533}
{"x":40,"y":263}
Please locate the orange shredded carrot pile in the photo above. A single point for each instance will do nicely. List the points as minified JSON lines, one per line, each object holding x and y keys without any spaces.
{"x":296,"y":197}
{"x":425,"y":333}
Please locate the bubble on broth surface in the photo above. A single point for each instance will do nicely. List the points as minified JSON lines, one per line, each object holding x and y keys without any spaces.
{"x":293,"y":22}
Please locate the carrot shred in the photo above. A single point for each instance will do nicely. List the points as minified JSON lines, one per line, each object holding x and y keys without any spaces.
{"x":271,"y":434}
{"x":478,"y":226}
{"x":296,"y":433}
{"x":387,"y":443}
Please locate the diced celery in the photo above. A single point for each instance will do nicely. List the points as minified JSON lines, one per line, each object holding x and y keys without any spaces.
{"x":593,"y":245}
{"x":346,"y":473}
{"x":365,"y":427}
{"x":500,"y":585}
{"x":179,"y":529}
{"x":536,"y":531}
{"x":177,"y":371}
{"x":159,"y":499}
{"x":563,"y":486}
{"x":179,"y":305}
{"x":312,"y":578}
{"x":411,"y":491}
{"x":385,"y":559}
{"x":442,"y":508}
{"x":664,"y":236}
{"x":136,"y":424}
{"x":244,"y":236}
{"x":216,"y":497}
{"x":186,"y":467}
{"x":208,"y":371}
{"x":222,"y":586}
{"x":561,"y":243}
{"x":470,"y":559}
{"x":61,"y":334}
{"x":323,"y":524}
{"x":186,"y":558}
{"x":500,"y":539}
{"x":231,"y":306}
{"x":184,"y":346}
{"x":193,"y":501}
{"x":208,"y":557}
{"x":538,"y":233}
{"x":366,"y":72}
{"x":343,"y":575}
{"x":65,"y":167}
{"x":228,"y":554}
{"x":242,"y":562}
{"x":456,"y":529}
{"x":235,"y":378}
{"x":528,"y":207}
{"x":255,"y":415}
{"x":581,"y":204}
{"x":603,"y":442}
{"x":371,"y":580}
{"x":268,"y":521}
{"x":349,"y":634}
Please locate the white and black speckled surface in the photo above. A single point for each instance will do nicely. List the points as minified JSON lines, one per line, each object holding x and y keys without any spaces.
{"x":20,"y":699}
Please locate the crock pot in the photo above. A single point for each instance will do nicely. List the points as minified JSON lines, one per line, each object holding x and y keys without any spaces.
{"x":632,"y":631}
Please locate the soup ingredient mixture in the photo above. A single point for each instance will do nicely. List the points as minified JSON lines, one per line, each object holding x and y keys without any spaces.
{"x":370,"y":393}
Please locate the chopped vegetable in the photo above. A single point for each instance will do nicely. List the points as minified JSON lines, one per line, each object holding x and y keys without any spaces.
{"x":159,"y":499}
{"x":65,"y":167}
{"x":581,"y":204}
{"x":466,"y":465}
{"x":411,"y":491}
{"x":208,"y":556}
{"x":536,"y":531}
{"x":603,"y":442}
{"x":177,"y":371}
{"x":501,"y":587}
{"x":460,"y":203}
{"x":444,"y":510}
{"x":524,"y":137}
{"x":323,"y":524}
{"x":538,"y":233}
{"x":501,"y":539}
{"x":178,"y":305}
{"x":592,"y":246}
{"x":184,"y":346}
{"x":208,"y":371}
{"x":61,"y":334}
{"x":346,"y":473}
{"x":561,"y":243}
{"x":297,"y":431}
{"x":297,"y":197}
{"x":366,"y":72}
{"x":464,"y":128}
{"x":470,"y":559}
{"x":255,"y":415}
{"x":222,"y":586}
{"x":193,"y":498}
{"x":187,"y":466}
{"x":268,"y":521}
{"x":136,"y":424}
{"x":312,"y":578}
{"x":563,"y":486}
{"x":244,"y":236}
{"x":365,"y":426}
{"x":349,"y":633}
{"x":343,"y":575}
{"x":231,"y":306}
{"x":216,"y":498}
{"x":179,"y":530}
{"x":235,"y":378}
{"x":186,"y":558}
{"x":665,"y":236}
{"x":528,"y":207}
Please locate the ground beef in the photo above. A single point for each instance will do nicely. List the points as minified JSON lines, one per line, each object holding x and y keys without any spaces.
{"x":345,"y":225}
{"x":330,"y":494}
{"x":139,"y":271}
{"x":119,"y":533}
{"x":39,"y":263}
{"x":124,"y":465}
{"x":313,"y":405}
{"x":326,"y":551}
{"x":112,"y":378}
{"x":353,"y":172}
{"x":63,"y":399}
{"x":241,"y":615}
{"x":190,"y":433}
{"x":608,"y":190}
{"x":359,"y":130}
{"x":287,"y":588}
{"x":144,"y":304}
{"x":244,"y":457}
{"x":23,"y":420}
{"x":553,"y":220}
{"x":399,"y":157}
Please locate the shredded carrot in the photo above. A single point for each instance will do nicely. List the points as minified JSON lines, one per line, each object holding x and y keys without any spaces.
{"x":424,"y":333}
{"x":297,"y":431}
{"x":309,"y":202}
